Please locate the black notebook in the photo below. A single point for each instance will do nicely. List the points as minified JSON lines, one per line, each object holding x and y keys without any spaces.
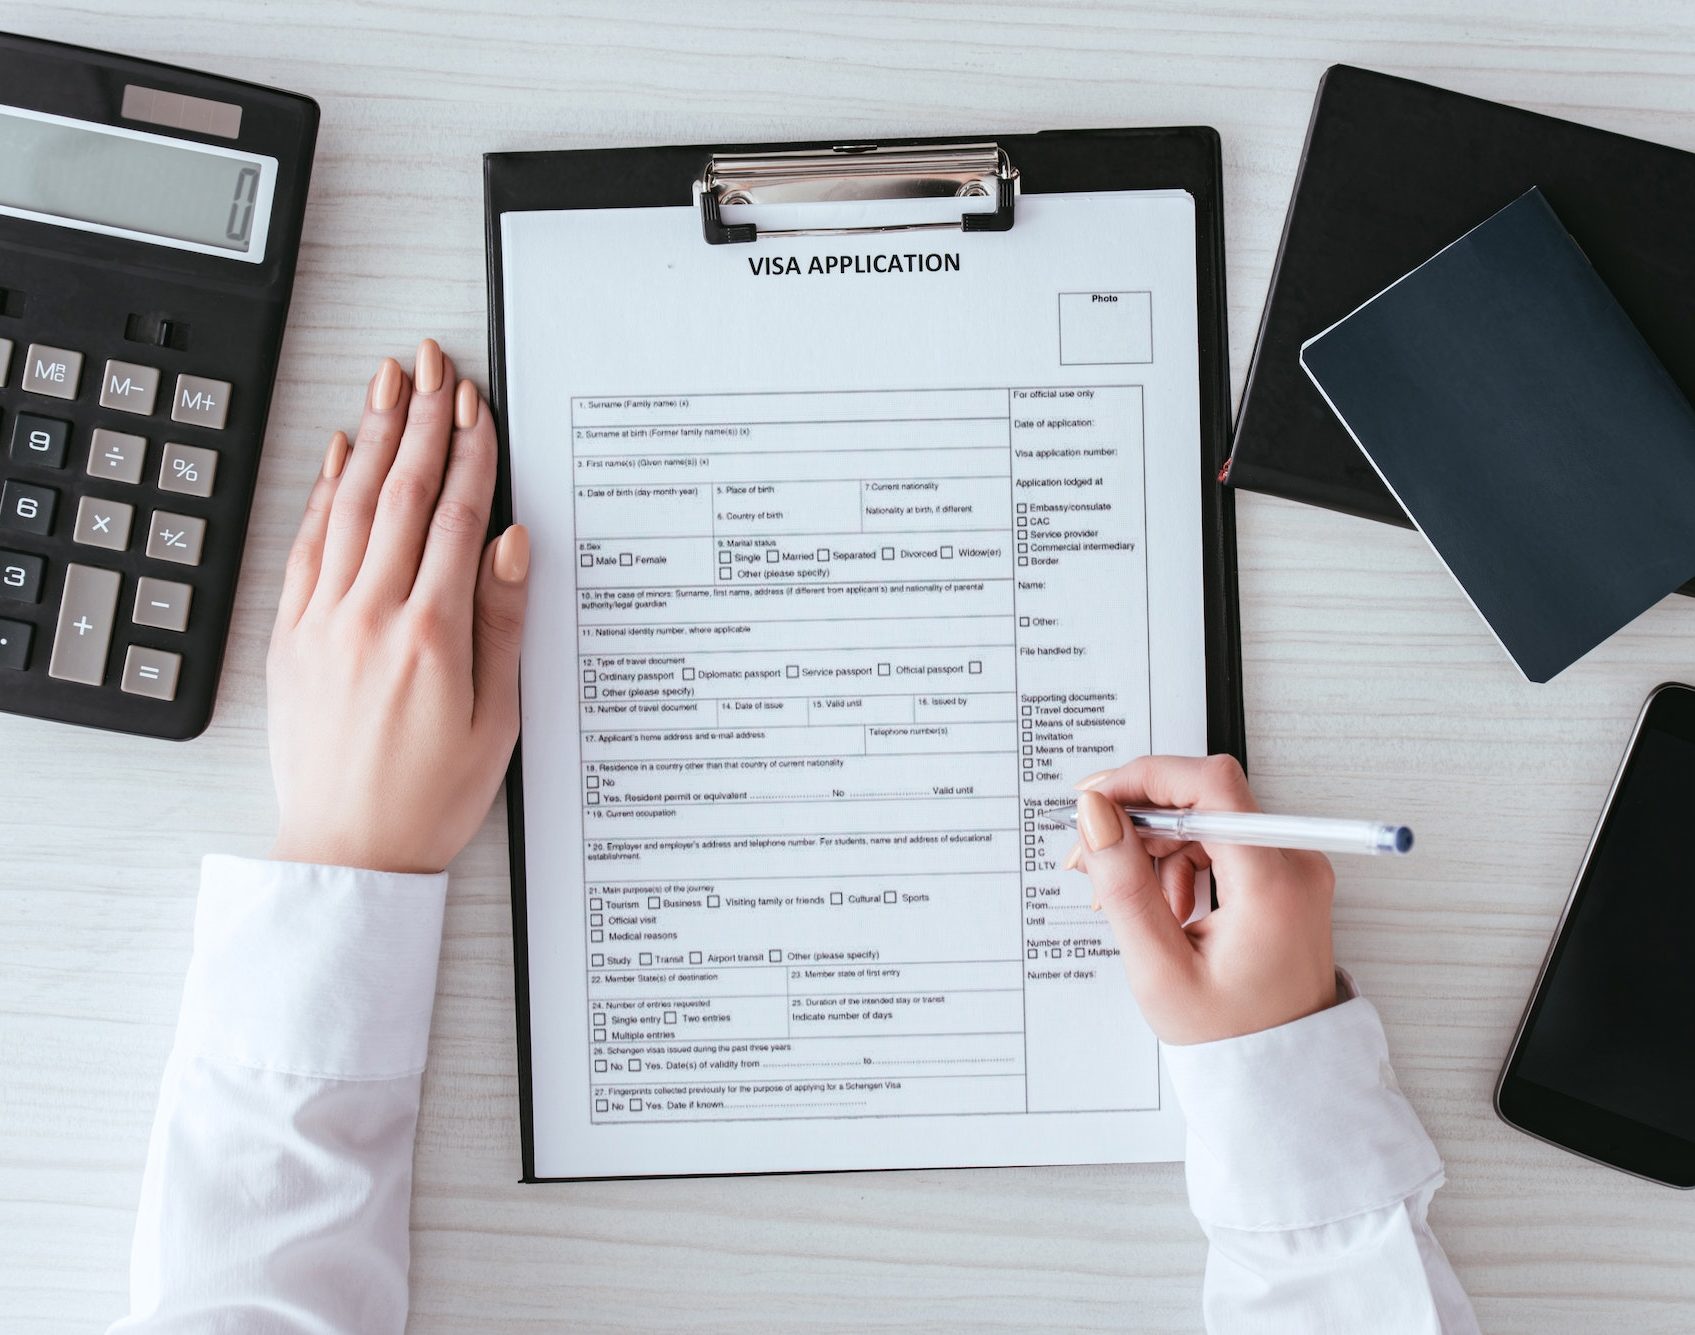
{"x":1520,"y":419}
{"x":1392,"y":171}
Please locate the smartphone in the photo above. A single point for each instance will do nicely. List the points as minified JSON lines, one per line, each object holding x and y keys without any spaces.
{"x":1603,"y":1063}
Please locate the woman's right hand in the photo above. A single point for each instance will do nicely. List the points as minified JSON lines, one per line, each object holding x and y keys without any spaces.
{"x":1262,"y":958}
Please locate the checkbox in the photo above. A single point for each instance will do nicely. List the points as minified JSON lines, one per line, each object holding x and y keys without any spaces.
{"x":599,"y":1017}
{"x":600,"y":1035}
{"x":626,"y":559}
{"x":636,"y":1104}
{"x":588,"y":677}
{"x":1027,"y":711}
{"x":882,"y":669}
{"x":635,"y":1063}
{"x":1029,"y":866}
{"x":724,"y":574}
{"x":600,"y":1066}
{"x":597,"y":920}
{"x":1030,"y":839}
{"x":1024,"y":560}
{"x":1029,"y":750}
{"x":775,"y":956}
{"x":1028,"y":737}
{"x":1030,"y":954}
{"x":771,"y":556}
{"x":1029,"y":892}
{"x":888,"y":553}
{"x":597,"y":961}
{"x":1024,"y":547}
{"x":712,"y":901}
{"x":1023,"y":621}
{"x":791,"y":671}
{"x":646,"y":958}
{"x":723,"y":557}
{"x":1029,"y":825}
{"x":947,"y":553}
{"x":823,"y":553}
{"x":1054,"y":953}
{"x":688,"y":674}
{"x":835,"y":896}
{"x":596,"y":905}
{"x":888,"y":896}
{"x":670,"y":1017}
{"x":593,"y":799}
{"x":1021,"y":523}
{"x":585,"y":560}
{"x":600,"y":1105}
{"x":974,"y":667}
{"x":653,"y":901}
{"x":597,"y":938}
{"x":694,"y":957}
{"x":1022,"y":507}
{"x":590,"y":692}
{"x":593,"y":781}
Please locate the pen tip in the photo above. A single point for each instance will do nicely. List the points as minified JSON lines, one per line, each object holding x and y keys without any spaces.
{"x":1403,"y":839}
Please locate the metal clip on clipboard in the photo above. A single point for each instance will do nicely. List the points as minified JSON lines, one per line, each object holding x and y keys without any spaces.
{"x":850,"y":172}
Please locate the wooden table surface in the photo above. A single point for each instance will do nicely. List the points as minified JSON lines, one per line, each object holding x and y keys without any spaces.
{"x":1371,"y":685}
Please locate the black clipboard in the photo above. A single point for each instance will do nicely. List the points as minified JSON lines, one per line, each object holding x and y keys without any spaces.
{"x":1049,"y":162}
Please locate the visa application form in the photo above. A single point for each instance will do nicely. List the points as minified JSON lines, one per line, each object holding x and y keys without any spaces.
{"x":853,"y":553}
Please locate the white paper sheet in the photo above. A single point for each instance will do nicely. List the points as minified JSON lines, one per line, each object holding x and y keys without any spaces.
{"x":845,"y":566}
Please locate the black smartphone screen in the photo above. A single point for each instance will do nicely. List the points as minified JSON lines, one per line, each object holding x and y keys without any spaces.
{"x":1605,"y":1062}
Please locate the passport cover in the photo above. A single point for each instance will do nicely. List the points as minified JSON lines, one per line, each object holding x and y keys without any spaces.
{"x":1517,"y":415}
{"x":1393,"y":170}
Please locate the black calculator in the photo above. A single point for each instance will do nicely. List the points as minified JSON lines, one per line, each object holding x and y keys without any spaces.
{"x":149,"y":223}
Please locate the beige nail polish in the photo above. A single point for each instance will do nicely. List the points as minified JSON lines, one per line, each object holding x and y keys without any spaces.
{"x":465,"y":405}
{"x":385,"y":388}
{"x":1072,"y":858}
{"x":512,"y":555}
{"x":1093,"y":779}
{"x":1097,"y":821}
{"x":335,"y":458}
{"x":426,"y":372}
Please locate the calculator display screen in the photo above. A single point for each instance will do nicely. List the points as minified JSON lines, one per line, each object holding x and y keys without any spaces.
{"x":103,"y":178}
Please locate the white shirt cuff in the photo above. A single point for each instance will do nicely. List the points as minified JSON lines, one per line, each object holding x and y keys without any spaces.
{"x":1300,"y":1125}
{"x":313,"y":970}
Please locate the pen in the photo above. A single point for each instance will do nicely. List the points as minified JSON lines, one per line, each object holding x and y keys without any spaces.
{"x":1263,"y":830}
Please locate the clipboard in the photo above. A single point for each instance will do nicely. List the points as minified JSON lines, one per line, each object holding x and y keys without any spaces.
{"x":993,"y":174}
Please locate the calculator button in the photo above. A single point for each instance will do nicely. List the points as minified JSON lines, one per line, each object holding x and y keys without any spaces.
{"x":14,"y":644}
{"x":201,"y":402}
{"x":20,"y":576}
{"x":103,"y":523}
{"x":151,"y":672}
{"x":5,"y":358}
{"x":162,"y":603}
{"x":55,"y":372}
{"x":28,"y":508}
{"x":128,"y":387}
{"x":39,"y":440}
{"x":187,"y":469}
{"x":85,"y":625}
{"x":116,"y":456}
{"x":175,"y":538}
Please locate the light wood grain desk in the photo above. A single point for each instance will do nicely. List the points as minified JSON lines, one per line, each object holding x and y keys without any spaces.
{"x":1371,"y":685}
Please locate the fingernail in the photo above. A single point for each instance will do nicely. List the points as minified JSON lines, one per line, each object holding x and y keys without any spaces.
{"x":1097,"y":821}
{"x":385,"y":388}
{"x":1072,"y":858}
{"x":512,"y":555}
{"x":1093,"y":779}
{"x":1095,"y":907}
{"x":426,"y":373}
{"x":336,"y":456}
{"x":465,"y":405}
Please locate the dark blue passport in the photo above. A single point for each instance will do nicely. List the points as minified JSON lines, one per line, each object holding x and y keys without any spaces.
{"x":1507,"y":401}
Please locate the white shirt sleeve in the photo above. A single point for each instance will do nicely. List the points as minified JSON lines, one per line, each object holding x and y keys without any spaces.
{"x":1311,"y":1177}
{"x":279,"y":1177}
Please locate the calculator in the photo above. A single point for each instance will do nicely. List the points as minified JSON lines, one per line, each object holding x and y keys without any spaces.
{"x":149,"y":223}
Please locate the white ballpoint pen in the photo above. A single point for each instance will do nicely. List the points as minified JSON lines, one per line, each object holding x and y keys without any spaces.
{"x":1261,"y":829}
